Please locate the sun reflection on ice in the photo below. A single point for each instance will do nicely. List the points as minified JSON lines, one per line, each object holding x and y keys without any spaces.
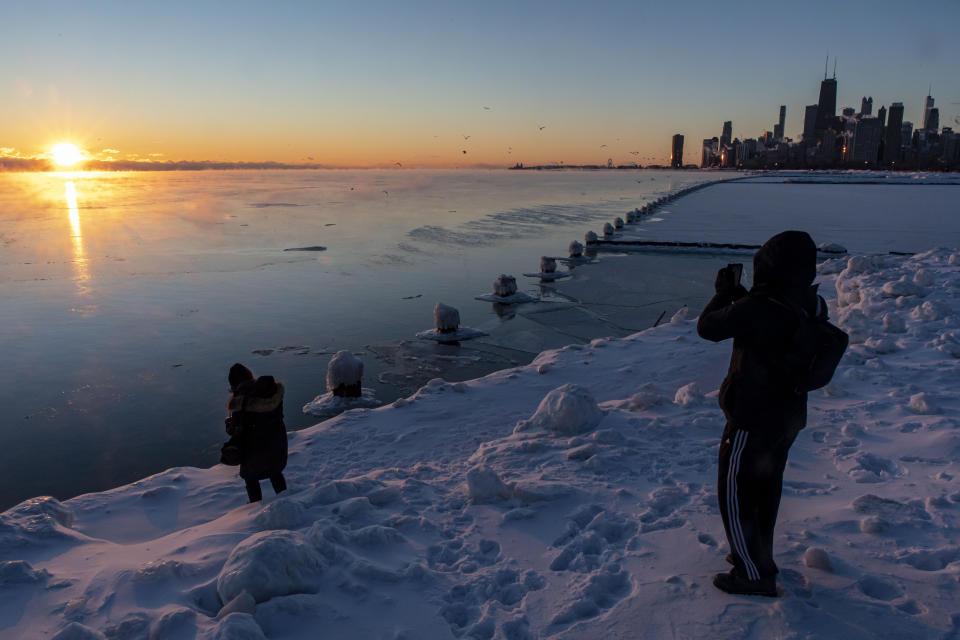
{"x":80,"y":261}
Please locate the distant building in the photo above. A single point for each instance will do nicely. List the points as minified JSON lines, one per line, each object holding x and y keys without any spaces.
{"x":892,"y":141}
{"x":708,"y":153}
{"x":809,"y":122}
{"x":866,"y":141}
{"x":848,"y":112}
{"x":727,"y":134}
{"x":827,"y":104}
{"x":927,"y":108}
{"x":866,"y":106}
{"x":933,"y":120}
{"x":778,"y":128}
{"x":882,"y":116}
{"x":676,"y":159}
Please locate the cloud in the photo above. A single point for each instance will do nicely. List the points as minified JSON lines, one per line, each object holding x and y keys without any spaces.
{"x":110,"y":150}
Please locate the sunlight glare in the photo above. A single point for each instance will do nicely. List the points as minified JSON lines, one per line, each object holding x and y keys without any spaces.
{"x":66,"y":154}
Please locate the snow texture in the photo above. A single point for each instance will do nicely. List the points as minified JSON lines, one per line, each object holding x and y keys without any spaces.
{"x":573,"y":497}
{"x":328,"y":405}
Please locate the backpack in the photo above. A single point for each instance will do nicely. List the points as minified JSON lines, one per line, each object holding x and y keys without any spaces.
{"x":814,"y":349}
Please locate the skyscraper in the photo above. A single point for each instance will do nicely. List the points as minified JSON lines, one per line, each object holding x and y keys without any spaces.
{"x":882,"y":116}
{"x":866,"y":140}
{"x":933,"y":120}
{"x":706,"y":152}
{"x":778,"y":128}
{"x":676,"y":159}
{"x":827,"y":104}
{"x":892,"y":143}
{"x":809,"y":123}
{"x":927,"y":107}
{"x":727,"y":134}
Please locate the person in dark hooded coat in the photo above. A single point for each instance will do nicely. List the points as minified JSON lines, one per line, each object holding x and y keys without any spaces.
{"x":764,"y":410}
{"x":256,"y":425}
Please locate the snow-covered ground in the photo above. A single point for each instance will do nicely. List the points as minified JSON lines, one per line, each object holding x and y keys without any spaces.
{"x":570,"y":498}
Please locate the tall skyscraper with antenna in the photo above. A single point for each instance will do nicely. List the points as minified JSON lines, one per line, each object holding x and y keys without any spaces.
{"x":827,"y":104}
{"x":927,"y":112}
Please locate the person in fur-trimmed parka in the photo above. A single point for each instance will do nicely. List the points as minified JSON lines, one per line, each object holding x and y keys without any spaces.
{"x":256,"y":408}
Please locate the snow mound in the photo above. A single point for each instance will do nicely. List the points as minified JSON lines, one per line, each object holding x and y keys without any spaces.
{"x":485,"y":485}
{"x":269,"y":564}
{"x":239,"y":626}
{"x":567,"y":410}
{"x":688,"y":394}
{"x":77,"y":631}
{"x":817,"y":558}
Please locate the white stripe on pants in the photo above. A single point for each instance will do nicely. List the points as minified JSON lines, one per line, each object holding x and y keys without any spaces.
{"x":733,"y":508}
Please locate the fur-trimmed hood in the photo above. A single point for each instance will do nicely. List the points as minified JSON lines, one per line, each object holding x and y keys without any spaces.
{"x":262,"y":395}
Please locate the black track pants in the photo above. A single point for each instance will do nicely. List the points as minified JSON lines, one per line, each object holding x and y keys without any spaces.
{"x":749,"y":482}
{"x":253,"y":487}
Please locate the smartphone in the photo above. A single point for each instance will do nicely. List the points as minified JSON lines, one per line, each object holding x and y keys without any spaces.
{"x":736,"y":269}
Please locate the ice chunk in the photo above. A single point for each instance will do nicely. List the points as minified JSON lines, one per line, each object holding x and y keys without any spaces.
{"x":485,"y":485}
{"x":817,"y":558}
{"x":243,"y":603}
{"x":903,"y":287}
{"x":446,"y":319}
{"x":618,"y":223}
{"x":861,"y":264}
{"x":268,"y":564}
{"x":547,"y":265}
{"x":607,"y":229}
{"x":688,"y":394}
{"x":344,"y":372}
{"x":681,"y":315}
{"x":505,"y":285}
{"x":590,"y":238}
{"x":923,"y":278}
{"x":893,"y":323}
{"x":576,"y":249}
{"x":831,"y":247}
{"x":923,"y":403}
{"x":930,"y":311}
{"x":568,"y":409}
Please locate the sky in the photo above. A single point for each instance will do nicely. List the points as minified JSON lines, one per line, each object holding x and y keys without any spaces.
{"x":405,"y":83}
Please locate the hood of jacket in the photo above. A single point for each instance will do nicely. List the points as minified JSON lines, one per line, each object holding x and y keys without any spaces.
{"x":261,"y":395}
{"x":788,"y":260}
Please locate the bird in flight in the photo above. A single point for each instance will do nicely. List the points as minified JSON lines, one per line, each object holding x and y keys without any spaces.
{"x":464,"y":152}
{"x":386,"y":193}
{"x":398,"y":164}
{"x":466,"y":137}
{"x":542,"y":127}
{"x":636,"y":153}
{"x":486,"y":108}
{"x":602,"y":146}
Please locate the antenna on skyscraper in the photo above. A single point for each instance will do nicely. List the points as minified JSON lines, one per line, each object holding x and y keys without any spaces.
{"x":834,"y":68}
{"x":825,"y":62}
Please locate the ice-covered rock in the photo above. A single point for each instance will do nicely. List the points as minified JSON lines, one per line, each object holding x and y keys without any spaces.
{"x":446,"y":319}
{"x":576,"y":249}
{"x":881,"y":345}
{"x":568,"y":410}
{"x":648,"y":396}
{"x":631,"y":216}
{"x":831,"y":247}
{"x":505,"y":285}
{"x":547,"y":265}
{"x":618,"y":223}
{"x":179,"y":623}
{"x":344,"y":373}
{"x":607,"y":229}
{"x":682,"y":315}
{"x":590,"y":237}
{"x":282,"y":513}
{"x":14,"y":572}
{"x":271,"y":563}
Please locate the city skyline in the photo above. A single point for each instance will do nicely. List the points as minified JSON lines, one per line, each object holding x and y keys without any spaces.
{"x":429,"y":84}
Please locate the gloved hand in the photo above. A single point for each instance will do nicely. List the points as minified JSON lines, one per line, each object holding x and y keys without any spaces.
{"x":726,"y":281}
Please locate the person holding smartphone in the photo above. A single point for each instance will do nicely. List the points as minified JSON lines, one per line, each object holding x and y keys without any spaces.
{"x":763,"y":408}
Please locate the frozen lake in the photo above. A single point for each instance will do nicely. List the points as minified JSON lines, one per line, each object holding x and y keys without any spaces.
{"x":126,"y":297}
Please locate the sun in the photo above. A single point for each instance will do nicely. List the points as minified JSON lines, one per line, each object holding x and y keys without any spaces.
{"x":66,"y":154}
